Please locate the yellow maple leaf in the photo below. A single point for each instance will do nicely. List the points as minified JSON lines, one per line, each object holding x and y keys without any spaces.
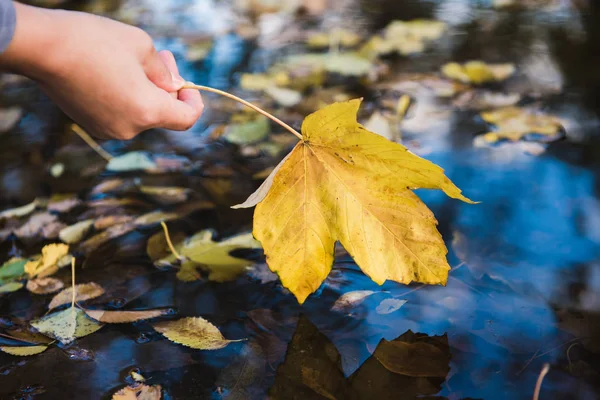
{"x":342,"y":182}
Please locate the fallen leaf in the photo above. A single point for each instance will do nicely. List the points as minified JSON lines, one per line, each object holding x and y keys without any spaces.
{"x":155,"y":217}
{"x":388,"y":306}
{"x":283,"y":96}
{"x":62,"y":327}
{"x":139,"y":392}
{"x":513,"y":123}
{"x":243,"y":378}
{"x":121,"y":317}
{"x":166,"y":194}
{"x":19,"y":211}
{"x":214,"y":256}
{"x":404,"y":37}
{"x":23,"y":351}
{"x":12,"y":269}
{"x":157,"y":247}
{"x":351,"y":299}
{"x":49,"y":262}
{"x":113,"y":232}
{"x":194,"y":332}
{"x":111,"y":220}
{"x":478,"y":72}
{"x":133,"y":161}
{"x":109,"y":185}
{"x":347,"y":64}
{"x":40,"y":224}
{"x":342,"y":182}
{"x":83,"y":292}
{"x":63,"y":203}
{"x":9,"y":117}
{"x":485,"y":99}
{"x":75,"y":233}
{"x":44,"y":285}
{"x":10,"y":287}
{"x":335,"y":37}
{"x":248,"y":132}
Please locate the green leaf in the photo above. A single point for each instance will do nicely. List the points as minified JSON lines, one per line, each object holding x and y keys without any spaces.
{"x":133,"y":161}
{"x":10,"y":287}
{"x":12,"y":269}
{"x":248,"y":132}
{"x":66,"y":327}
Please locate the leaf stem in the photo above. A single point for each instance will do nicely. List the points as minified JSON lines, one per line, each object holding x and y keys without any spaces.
{"x":91,"y":142}
{"x":169,"y":243}
{"x":538,"y":384}
{"x":191,"y":85}
{"x":73,"y":288}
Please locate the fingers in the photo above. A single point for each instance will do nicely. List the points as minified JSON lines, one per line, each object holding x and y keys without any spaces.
{"x":161,"y":70}
{"x":182,"y":113}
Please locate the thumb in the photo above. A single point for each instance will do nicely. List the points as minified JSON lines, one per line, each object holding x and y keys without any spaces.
{"x":158,"y":72}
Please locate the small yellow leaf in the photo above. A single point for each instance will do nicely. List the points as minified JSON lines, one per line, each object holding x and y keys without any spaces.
{"x":478,"y":72}
{"x":121,"y":317}
{"x":23,"y":350}
{"x":342,"y":182}
{"x":513,"y":123}
{"x":66,"y":325}
{"x":48,"y":264}
{"x":139,"y":392}
{"x":83,"y":291}
{"x":194,"y":332}
{"x":44,"y":285}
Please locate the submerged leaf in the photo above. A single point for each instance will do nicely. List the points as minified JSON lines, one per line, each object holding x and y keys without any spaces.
{"x":388,"y":306}
{"x":74,"y":233}
{"x":83,"y":291}
{"x":139,"y":392}
{"x":342,"y":182}
{"x":121,"y":317}
{"x":413,"y":358}
{"x":49,"y":262}
{"x":44,"y":285}
{"x":351,"y":299}
{"x":23,"y":351}
{"x":62,"y":327}
{"x":196,"y":333}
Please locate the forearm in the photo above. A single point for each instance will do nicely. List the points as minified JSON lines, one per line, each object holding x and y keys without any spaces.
{"x":29,"y":51}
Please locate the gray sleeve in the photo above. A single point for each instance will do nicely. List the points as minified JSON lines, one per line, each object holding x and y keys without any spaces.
{"x":8,"y":21}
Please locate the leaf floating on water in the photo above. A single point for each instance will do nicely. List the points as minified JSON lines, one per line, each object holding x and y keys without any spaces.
{"x":76,"y":232}
{"x":44,"y":285}
{"x":155,"y":217}
{"x":283,"y":96}
{"x":41,"y":224}
{"x":243,"y":378}
{"x":133,"y":161}
{"x":194,"y":332}
{"x":113,"y":232}
{"x":49,"y":262}
{"x":342,"y":182}
{"x":10,"y":287}
{"x":478,"y":72}
{"x":513,"y":123}
{"x":139,"y":392}
{"x":83,"y":291}
{"x":247,"y":132}
{"x":404,"y":37}
{"x":166,"y":194}
{"x":121,"y":317}
{"x":12,"y":269}
{"x":351,"y":299}
{"x":19,"y":211}
{"x":23,"y":351}
{"x":60,"y":325}
{"x":388,"y":306}
{"x":111,"y":220}
{"x":157,"y":247}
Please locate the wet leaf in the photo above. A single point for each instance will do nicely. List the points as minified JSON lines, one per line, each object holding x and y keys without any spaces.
{"x":248,"y":131}
{"x":76,"y":232}
{"x":388,"y":306}
{"x":513,"y":123}
{"x":49,"y":262}
{"x":9,"y":118}
{"x":347,"y":64}
{"x":478,"y":72}
{"x":351,"y":299}
{"x":404,"y":37}
{"x":63,"y":203}
{"x":157,"y":247}
{"x":194,"y":332}
{"x":83,"y":291}
{"x":113,"y":232}
{"x":62,"y":327}
{"x":12,"y":269}
{"x":111,"y":220}
{"x":109,"y":185}
{"x":133,"y":161}
{"x":283,"y":96}
{"x":23,"y":351}
{"x":19,"y":211}
{"x":10,"y":287}
{"x":42,"y":224}
{"x":121,"y":317}
{"x":344,"y":183}
{"x":44,"y":285}
{"x":243,"y":378}
{"x":335,"y":37}
{"x":155,"y":217}
{"x":213,"y":256}
{"x":166,"y":194}
{"x":139,"y":392}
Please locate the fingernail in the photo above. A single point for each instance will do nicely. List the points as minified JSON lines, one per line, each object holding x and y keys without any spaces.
{"x":177,"y":80}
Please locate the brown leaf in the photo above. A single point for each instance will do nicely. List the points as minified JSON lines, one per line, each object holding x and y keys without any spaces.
{"x":36,"y":224}
{"x":113,"y":232}
{"x":61,"y":204}
{"x":107,"y":186}
{"x":83,"y":291}
{"x":111,"y":220}
{"x":121,"y":317}
{"x":44,"y":285}
{"x":140,"y":392}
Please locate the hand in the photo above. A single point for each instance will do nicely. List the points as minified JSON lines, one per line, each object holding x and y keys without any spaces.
{"x":105,"y":75}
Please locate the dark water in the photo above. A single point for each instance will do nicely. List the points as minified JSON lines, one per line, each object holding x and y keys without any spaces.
{"x":524,"y":290}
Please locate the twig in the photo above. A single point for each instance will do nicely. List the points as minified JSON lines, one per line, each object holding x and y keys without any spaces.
{"x":169,"y":243}
{"x":91,"y":142}
{"x":538,"y":384}
{"x":191,"y":85}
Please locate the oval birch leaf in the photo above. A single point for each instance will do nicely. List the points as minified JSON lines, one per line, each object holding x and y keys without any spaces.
{"x":19,"y":211}
{"x":44,"y":285}
{"x":351,"y":299}
{"x":10,"y":287}
{"x":12,"y":269}
{"x":344,"y":183}
{"x":194,"y":332}
{"x":64,"y":328}
{"x":84,"y":291}
{"x":388,"y":306}
{"x":74,"y":233}
{"x":23,"y":350}
{"x":121,"y":317}
{"x":155,"y":217}
{"x":140,"y":392}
